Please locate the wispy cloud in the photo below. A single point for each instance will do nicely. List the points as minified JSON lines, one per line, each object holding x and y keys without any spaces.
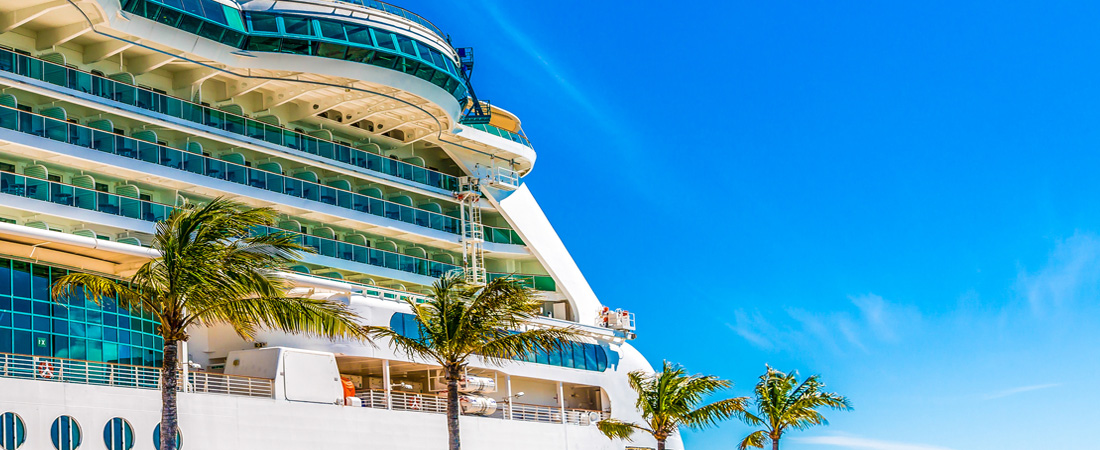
{"x":1020,"y":390}
{"x":855,"y":442}
{"x":1071,"y":274}
{"x":871,"y":319}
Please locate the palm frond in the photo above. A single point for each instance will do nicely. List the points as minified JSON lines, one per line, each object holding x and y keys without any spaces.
{"x":617,"y":429}
{"x":755,"y":439}
{"x":296,"y":315}
{"x":713,"y":413}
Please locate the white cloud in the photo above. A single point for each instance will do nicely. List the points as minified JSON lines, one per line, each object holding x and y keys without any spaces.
{"x":753,"y":328}
{"x":855,"y":442}
{"x":1020,"y":390}
{"x":872,"y":320}
{"x":1071,"y":273}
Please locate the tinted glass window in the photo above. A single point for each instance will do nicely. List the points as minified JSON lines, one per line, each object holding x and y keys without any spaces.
{"x":265,"y":23}
{"x":299,"y":26}
{"x":384,"y":39}
{"x":65,"y":433}
{"x":358,"y":35}
{"x":331,"y":30}
{"x":213,"y":10}
{"x":13,"y":432}
{"x":193,"y":7}
{"x":118,"y":434}
{"x":407,"y":45}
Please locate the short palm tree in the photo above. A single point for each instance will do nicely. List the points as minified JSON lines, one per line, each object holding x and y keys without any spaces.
{"x":670,"y":398}
{"x":211,"y":271}
{"x":460,"y":321}
{"x":782,"y":403}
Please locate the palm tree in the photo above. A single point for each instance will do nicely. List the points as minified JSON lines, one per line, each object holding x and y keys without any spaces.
{"x":783,"y":403}
{"x":211,"y":271}
{"x":460,"y":320}
{"x":669,"y":399}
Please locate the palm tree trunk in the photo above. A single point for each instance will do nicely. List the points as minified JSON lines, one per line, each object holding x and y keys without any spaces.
{"x":169,"y":381}
{"x":660,"y":444}
{"x":775,"y":443}
{"x":452,"y":409}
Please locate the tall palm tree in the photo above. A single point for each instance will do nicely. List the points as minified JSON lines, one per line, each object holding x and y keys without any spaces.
{"x":211,"y":271}
{"x":460,"y":321}
{"x":783,"y":403}
{"x":670,"y":398}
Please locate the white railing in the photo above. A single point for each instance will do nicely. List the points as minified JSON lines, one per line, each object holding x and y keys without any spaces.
{"x":64,"y":370}
{"x":409,"y":401}
{"x":373,"y":399}
{"x":219,"y":383}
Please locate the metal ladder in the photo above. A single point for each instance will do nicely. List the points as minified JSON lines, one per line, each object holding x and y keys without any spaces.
{"x":473,"y":233}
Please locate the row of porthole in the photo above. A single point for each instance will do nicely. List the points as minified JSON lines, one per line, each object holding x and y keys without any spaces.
{"x":66,"y":433}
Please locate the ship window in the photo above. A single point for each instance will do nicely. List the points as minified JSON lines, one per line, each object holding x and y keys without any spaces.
{"x":65,"y":433}
{"x":13,"y":432}
{"x":118,"y":434}
{"x":298,"y":26}
{"x":193,"y":7}
{"x":265,"y":23}
{"x":407,"y":45}
{"x":384,"y":39}
{"x":214,"y":11}
{"x":358,"y":35}
{"x":156,"y":438}
{"x":331,"y":30}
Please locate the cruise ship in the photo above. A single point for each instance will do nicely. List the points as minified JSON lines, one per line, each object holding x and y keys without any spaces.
{"x":357,"y":121}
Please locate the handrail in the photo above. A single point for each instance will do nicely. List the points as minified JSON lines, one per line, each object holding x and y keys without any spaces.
{"x":233,"y":123}
{"x":67,"y":370}
{"x":134,"y":148}
{"x":434,"y":403}
{"x":84,"y":198}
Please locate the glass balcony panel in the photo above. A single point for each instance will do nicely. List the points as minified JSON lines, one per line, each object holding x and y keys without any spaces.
{"x":327,"y":194}
{"x":257,"y":178}
{"x":274,"y":182}
{"x":293,"y":187}
{"x":61,"y":194}
{"x":38,"y":189}
{"x":85,"y":199}
{"x":103,"y":141}
{"x":233,"y":172}
{"x":195,"y":163}
{"x":107,"y":203}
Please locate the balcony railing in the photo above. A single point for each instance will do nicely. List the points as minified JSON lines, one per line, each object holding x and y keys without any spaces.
{"x":114,"y":204}
{"x":107,"y":142}
{"x":411,"y":401}
{"x":63,"y":370}
{"x":129,"y":94}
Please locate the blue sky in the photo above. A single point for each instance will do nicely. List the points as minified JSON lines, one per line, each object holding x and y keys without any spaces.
{"x":900,"y":197}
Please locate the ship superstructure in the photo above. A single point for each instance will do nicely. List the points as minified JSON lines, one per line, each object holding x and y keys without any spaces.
{"x":357,"y":121}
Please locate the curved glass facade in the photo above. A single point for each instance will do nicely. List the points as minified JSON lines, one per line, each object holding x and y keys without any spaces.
{"x":32,"y":323}
{"x":286,"y":33}
{"x":575,"y":355}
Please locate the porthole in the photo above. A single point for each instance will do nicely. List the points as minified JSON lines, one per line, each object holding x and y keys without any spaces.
{"x":118,"y":434}
{"x":13,"y":432}
{"x":65,"y":433}
{"x":156,"y":438}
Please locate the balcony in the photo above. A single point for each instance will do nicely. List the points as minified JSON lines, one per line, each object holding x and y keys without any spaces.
{"x":129,"y":94}
{"x":129,"y":147}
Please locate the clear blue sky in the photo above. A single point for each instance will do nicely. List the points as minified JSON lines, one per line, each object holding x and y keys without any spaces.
{"x":902,"y":197}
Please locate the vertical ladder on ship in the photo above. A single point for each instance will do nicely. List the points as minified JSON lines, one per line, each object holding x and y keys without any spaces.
{"x":473,"y":233}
